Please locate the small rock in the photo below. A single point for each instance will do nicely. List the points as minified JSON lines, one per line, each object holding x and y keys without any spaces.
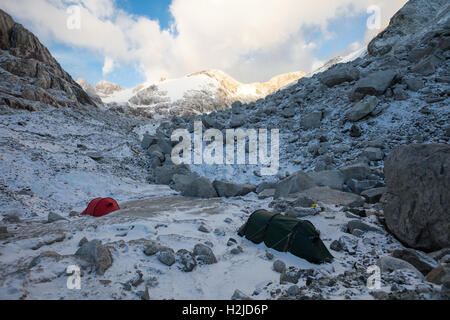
{"x":83,"y":241}
{"x":153,"y":248}
{"x":269,"y":255}
{"x":52,"y":217}
{"x":362,"y":109}
{"x":293,"y":290}
{"x":73,"y":214}
{"x":166,"y":257}
{"x":204,"y":254}
{"x":336,"y":246}
{"x":349,"y":244}
{"x":357,"y":233}
{"x":355,"y":131}
{"x":219,"y":232}
{"x":204,"y":229}
{"x":96,"y":255}
{"x":279,"y":266}
{"x":186,"y":259}
{"x":237,"y":250}
{"x":290,"y":275}
{"x":228,"y":220}
{"x":239,"y":295}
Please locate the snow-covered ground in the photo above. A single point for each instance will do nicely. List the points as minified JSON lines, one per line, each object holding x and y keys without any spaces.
{"x":47,"y":165}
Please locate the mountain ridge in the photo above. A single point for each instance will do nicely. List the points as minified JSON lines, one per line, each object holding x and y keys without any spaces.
{"x":197,"y":92}
{"x":35,"y":76}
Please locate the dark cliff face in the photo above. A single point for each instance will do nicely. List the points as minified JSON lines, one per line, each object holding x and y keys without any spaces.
{"x":29,"y":75}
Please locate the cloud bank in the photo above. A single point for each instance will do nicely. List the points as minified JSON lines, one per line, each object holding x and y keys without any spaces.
{"x":252,"y":40}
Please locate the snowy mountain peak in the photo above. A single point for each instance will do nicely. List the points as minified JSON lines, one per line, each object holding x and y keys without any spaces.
{"x":107,"y":88}
{"x":198,"y":92}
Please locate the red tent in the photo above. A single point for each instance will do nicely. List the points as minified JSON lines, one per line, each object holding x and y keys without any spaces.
{"x":100,"y":207}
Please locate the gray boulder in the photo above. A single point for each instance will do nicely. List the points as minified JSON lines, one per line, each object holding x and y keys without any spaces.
{"x":193,"y":185}
{"x":359,"y":171}
{"x":229,"y":189}
{"x":266,"y":193}
{"x":338,"y":75}
{"x":363,"y":185}
{"x":362,"y":108}
{"x":427,"y":66}
{"x":418,"y":195}
{"x":166,"y":257}
{"x":265,"y":185}
{"x":296,"y":182}
{"x":418,"y":259}
{"x":352,"y":225}
{"x":332,"y":197}
{"x":96,"y":254}
{"x":376,"y":83}
{"x":204,"y":254}
{"x":373,"y":154}
{"x":373,"y":195}
{"x":300,"y":212}
{"x":414,"y":84}
{"x":329,"y":178}
{"x":164,"y":174}
{"x":389,"y":264}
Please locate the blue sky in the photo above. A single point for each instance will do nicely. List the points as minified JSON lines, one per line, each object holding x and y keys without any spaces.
{"x":251,"y":40}
{"x":153,"y":9}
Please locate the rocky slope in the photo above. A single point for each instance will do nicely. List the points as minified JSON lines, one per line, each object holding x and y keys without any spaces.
{"x":170,"y":240}
{"x":196,"y":93}
{"x":338,"y":126}
{"x":30,"y":77}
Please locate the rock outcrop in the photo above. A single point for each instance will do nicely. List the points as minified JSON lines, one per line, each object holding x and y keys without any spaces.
{"x":418,"y":195}
{"x":30,"y":78}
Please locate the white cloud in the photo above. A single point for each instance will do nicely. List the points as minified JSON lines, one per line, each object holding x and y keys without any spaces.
{"x":249,"y":39}
{"x":108,"y":66}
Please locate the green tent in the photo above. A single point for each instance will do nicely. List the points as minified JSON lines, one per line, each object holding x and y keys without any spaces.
{"x":286,"y":234}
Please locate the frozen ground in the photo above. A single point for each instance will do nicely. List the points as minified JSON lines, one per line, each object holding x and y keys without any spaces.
{"x":47,"y":166}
